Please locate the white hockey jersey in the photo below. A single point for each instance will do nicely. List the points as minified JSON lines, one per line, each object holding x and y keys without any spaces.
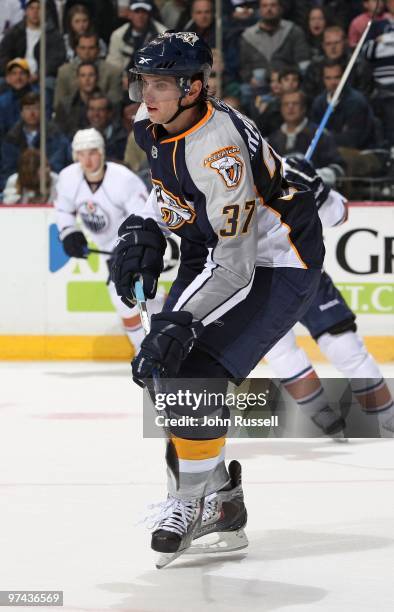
{"x":100,"y":213}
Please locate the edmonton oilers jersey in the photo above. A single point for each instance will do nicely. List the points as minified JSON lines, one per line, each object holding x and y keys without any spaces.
{"x":219,"y":186}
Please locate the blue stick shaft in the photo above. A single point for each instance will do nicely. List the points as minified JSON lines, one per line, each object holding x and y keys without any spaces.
{"x":319,"y":131}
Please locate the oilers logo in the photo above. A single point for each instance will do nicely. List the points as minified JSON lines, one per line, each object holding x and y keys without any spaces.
{"x":93,"y":217}
{"x":174,"y":212}
{"x":227,"y":165}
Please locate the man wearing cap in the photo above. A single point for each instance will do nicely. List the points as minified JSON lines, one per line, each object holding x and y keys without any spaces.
{"x":17,"y":84}
{"x":23,"y":40}
{"x":130,"y":37}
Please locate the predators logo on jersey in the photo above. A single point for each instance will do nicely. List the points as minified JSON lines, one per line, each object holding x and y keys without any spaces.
{"x":174,"y":212}
{"x":226,"y":163}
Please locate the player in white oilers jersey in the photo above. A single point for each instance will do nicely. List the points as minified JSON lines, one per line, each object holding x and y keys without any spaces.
{"x":100,"y":195}
{"x":332,"y":324}
{"x":251,"y":258}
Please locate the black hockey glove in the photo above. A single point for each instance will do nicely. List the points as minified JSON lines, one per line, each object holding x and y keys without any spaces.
{"x":168,"y":343}
{"x":75,"y":244}
{"x":140,"y":251}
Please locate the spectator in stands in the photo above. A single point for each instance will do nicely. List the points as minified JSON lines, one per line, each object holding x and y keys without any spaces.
{"x":101,"y":116}
{"x":11,"y":13}
{"x":130,"y":37}
{"x":315,"y":26}
{"x":335,"y":48}
{"x":175,"y":13}
{"x":267,"y":115}
{"x":23,"y":187}
{"x":272,"y":43}
{"x":87,"y":50}
{"x":234,"y":102}
{"x":202,"y":21}
{"x":297,"y":10}
{"x":102,"y":14}
{"x":17,"y":78}
{"x":295,"y":135}
{"x":353,"y":124}
{"x":129,"y":111}
{"x":134,"y":157}
{"x":23,"y":40}
{"x":340,"y":12}
{"x":26,"y":133}
{"x":380,"y":53}
{"x":360,"y":22}
{"x":79,"y":22}
{"x":71,"y":113}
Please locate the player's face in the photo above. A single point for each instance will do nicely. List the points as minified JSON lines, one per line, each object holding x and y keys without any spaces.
{"x":161,"y":95}
{"x":90,"y":160}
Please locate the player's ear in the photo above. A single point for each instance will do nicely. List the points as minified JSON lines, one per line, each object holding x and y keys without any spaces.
{"x":195,"y":91}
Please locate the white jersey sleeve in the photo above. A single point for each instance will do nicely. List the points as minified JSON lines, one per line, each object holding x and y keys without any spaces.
{"x":65,"y":204}
{"x":137,"y":196}
{"x":333,"y":210}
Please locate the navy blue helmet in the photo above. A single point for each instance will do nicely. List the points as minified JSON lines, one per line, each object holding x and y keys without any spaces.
{"x":179,"y":54}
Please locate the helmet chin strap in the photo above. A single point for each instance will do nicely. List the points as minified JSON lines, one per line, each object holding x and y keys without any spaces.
{"x":182,"y":108}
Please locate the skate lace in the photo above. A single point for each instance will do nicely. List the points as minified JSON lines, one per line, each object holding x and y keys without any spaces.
{"x":173,"y":515}
{"x":210,"y":509}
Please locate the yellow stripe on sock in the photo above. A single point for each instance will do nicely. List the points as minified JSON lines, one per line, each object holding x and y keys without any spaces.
{"x":198,"y":449}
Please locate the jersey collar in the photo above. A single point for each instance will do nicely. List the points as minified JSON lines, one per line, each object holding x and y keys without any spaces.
{"x":194,"y":128}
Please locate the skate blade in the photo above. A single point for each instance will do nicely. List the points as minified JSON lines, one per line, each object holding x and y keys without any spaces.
{"x":341,"y":440}
{"x":166,"y":558}
{"x":220,"y":542}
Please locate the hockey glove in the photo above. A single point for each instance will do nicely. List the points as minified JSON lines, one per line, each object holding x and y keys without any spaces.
{"x":140,"y":251}
{"x":75,"y":244}
{"x":168,"y":343}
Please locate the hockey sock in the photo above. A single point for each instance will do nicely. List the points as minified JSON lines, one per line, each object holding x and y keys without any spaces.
{"x":134,"y":331}
{"x":306,"y":389}
{"x":349,"y":355}
{"x":201,"y":467}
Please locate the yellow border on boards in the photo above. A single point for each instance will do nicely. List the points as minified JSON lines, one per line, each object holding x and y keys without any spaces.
{"x":117,"y":348}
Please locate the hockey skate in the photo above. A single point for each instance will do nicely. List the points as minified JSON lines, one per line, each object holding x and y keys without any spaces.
{"x":328,"y":421}
{"x":175,"y":524}
{"x":224,"y":517}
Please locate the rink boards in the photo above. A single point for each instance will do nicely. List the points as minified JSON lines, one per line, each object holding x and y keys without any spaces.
{"x":53,"y":307}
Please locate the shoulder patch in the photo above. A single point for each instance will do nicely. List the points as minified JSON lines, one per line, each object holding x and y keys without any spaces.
{"x":227,"y":164}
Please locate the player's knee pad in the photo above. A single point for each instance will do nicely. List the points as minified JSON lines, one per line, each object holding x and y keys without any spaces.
{"x":348,"y":353}
{"x":287,"y":359}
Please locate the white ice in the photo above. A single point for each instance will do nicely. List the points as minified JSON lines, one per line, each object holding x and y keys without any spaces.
{"x":76,"y":476}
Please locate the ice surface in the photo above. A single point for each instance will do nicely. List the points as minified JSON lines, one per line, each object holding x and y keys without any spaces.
{"x":76,"y":476}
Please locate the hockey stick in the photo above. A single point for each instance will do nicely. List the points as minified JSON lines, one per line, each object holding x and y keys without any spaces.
{"x":331,"y":107}
{"x":98,"y":251}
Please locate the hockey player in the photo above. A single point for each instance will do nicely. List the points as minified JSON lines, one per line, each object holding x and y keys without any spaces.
{"x":332,"y":324}
{"x":100,"y":195}
{"x":251,"y":257}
